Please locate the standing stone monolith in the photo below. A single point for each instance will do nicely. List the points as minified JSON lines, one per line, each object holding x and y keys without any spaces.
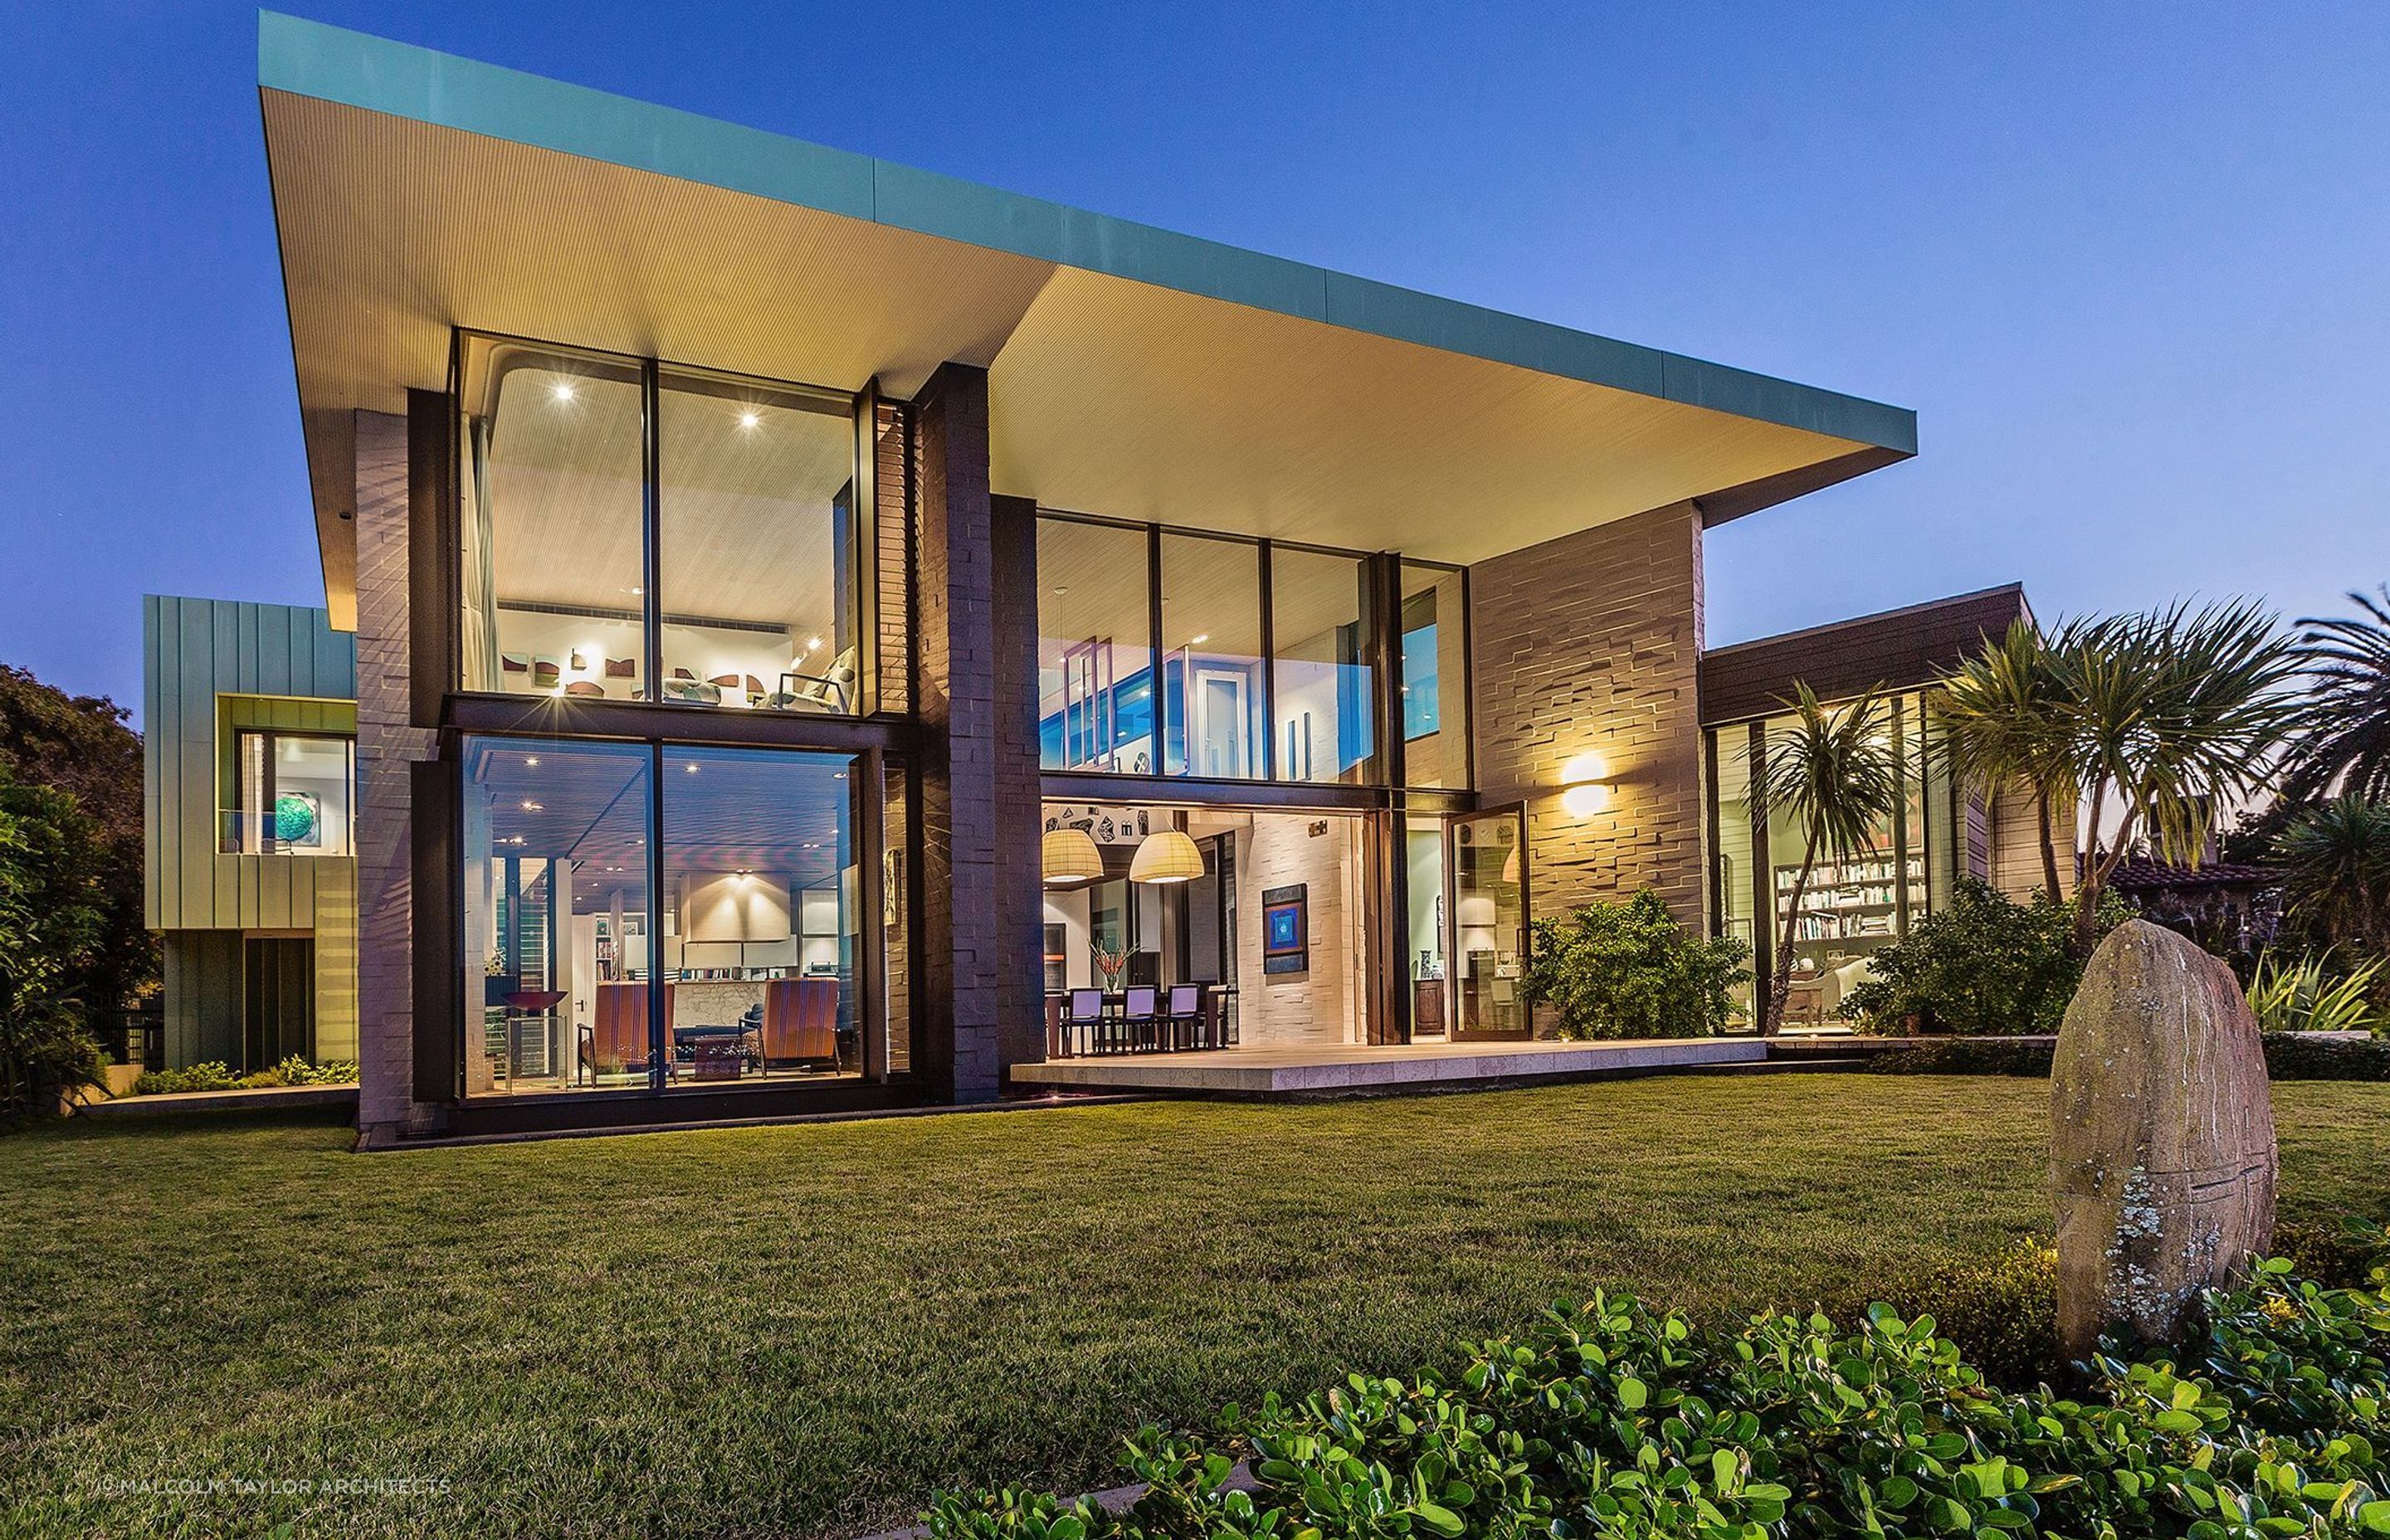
{"x":2162,"y":1146}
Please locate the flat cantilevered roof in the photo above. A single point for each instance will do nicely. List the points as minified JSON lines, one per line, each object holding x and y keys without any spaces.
{"x":1133,"y":372}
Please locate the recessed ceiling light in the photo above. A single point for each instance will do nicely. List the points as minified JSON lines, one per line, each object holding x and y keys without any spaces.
{"x":561,"y":390}
{"x":749,"y":419}
{"x":690,"y":768}
{"x":812,"y":642}
{"x":1198,"y":638}
{"x":531,"y":762}
{"x":529,"y":806}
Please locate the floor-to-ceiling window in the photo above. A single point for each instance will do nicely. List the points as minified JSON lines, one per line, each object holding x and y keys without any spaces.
{"x":558,"y":939}
{"x":1852,"y":905}
{"x":1095,"y":649}
{"x":619,"y":517}
{"x":662,"y":917}
{"x":1212,"y":659}
{"x":1321,"y":684}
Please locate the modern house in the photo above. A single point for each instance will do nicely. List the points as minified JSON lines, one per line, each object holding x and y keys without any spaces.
{"x":248,"y":778}
{"x":1945,"y":831}
{"x":818,"y":622}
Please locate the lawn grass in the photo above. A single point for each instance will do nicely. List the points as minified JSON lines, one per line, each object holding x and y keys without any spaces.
{"x":800,"y":1331}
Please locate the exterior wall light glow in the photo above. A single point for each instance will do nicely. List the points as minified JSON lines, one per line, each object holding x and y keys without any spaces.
{"x":1069,"y":855}
{"x":1585,"y":785}
{"x":1166,"y":855}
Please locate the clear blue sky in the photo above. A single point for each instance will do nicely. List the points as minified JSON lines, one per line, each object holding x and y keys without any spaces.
{"x":2131,"y":265}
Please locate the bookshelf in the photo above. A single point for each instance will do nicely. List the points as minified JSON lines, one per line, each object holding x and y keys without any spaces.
{"x":1849,"y":899}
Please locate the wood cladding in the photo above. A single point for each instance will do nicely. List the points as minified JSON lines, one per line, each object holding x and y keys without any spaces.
{"x":1901,"y":649}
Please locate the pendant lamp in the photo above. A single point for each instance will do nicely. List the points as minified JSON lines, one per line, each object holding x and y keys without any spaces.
{"x":1166,"y":855}
{"x":1069,"y":855}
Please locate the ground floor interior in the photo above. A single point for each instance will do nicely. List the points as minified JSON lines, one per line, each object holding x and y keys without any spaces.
{"x":1214,"y":928}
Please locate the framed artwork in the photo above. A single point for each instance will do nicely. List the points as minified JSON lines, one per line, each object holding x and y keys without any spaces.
{"x":1286,"y":929}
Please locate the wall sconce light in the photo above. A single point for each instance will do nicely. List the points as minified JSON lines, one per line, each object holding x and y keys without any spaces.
{"x":1586,"y":784}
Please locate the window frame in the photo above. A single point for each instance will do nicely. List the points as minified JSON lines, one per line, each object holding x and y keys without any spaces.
{"x":863,"y":546}
{"x":1382,"y":573}
{"x":271,"y":735}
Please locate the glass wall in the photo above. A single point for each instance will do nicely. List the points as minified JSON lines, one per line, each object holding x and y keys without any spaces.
{"x":754,"y":538}
{"x":553,"y":523}
{"x":1852,"y":906}
{"x":1211,"y":697}
{"x":730,"y":952}
{"x":1095,"y":649}
{"x":1267,"y":664}
{"x":1430,"y":993}
{"x":1433,"y":635}
{"x":1322,"y":680}
{"x":760,"y":936}
{"x":1489,"y":888}
{"x":557,"y":934}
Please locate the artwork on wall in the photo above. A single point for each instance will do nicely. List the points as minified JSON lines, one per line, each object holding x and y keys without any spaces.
{"x":1286,"y":929}
{"x":1106,"y":826}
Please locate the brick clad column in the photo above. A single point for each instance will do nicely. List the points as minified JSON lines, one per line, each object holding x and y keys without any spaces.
{"x":388,"y":747}
{"x":978,"y":951}
{"x":1591,"y":644}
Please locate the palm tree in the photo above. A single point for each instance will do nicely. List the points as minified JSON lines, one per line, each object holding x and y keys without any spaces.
{"x":2335,"y":862}
{"x":2172,"y":715}
{"x":2347,"y":748}
{"x":1836,"y":775}
{"x":2003,"y":719}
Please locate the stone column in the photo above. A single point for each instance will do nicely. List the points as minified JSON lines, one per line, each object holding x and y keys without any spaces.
{"x":1590,"y":644}
{"x":388,"y":746}
{"x":975,"y":629}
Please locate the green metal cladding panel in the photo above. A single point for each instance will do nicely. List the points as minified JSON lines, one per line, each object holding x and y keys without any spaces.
{"x":195,"y":653}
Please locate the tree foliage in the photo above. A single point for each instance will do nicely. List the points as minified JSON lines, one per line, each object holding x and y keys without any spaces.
{"x":2347,"y":744}
{"x":52,"y":919}
{"x":2335,"y":866}
{"x":1631,"y":971}
{"x":80,"y":745}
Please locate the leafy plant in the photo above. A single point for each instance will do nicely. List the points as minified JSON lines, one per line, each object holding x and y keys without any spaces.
{"x":2169,"y":717}
{"x":50,"y":926}
{"x":2335,"y":865}
{"x":2304,"y":996}
{"x":1631,"y":971}
{"x":1834,"y":774}
{"x":216,"y":1075}
{"x":1985,"y":964}
{"x":1614,"y":1419}
{"x":2347,"y":745}
{"x":2003,"y":719}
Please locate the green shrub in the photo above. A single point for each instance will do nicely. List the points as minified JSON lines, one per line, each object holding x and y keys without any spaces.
{"x":2003,"y":1312}
{"x":1612,"y":1419}
{"x":2303,"y":1055}
{"x":1985,"y":964}
{"x":2305,"y":996}
{"x":1631,"y":971}
{"x":216,"y":1075}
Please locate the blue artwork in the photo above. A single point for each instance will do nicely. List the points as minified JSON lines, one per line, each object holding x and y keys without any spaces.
{"x":1286,"y":942}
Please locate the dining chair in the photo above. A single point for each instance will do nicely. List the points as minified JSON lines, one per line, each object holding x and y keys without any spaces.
{"x":1185,"y":1002}
{"x":1087,"y":1016}
{"x":1138,"y":1020}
